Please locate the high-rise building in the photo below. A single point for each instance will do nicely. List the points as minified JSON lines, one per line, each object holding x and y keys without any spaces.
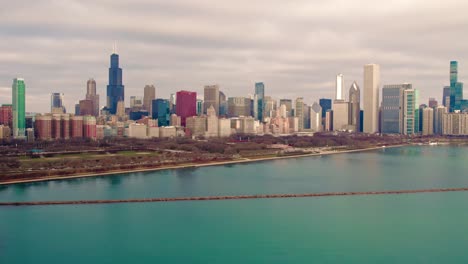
{"x":161,"y":111}
{"x":446,"y":96}
{"x":316,"y":117}
{"x":354,"y":107}
{"x":260,"y":92}
{"x":92,"y":95}
{"x":6,"y":115}
{"x":283,"y":112}
{"x":43,"y":127}
{"x":239,"y":106}
{"x":410,"y":112}
{"x":136,"y":102}
{"x":288,"y":104}
{"x":456,"y":88}
{"x":86,"y":107}
{"x":196,"y":125}
{"x":211,"y":122}
{"x":223,"y":106}
{"x":19,"y":111}
{"x":339,"y":88}
{"x":428,"y":121}
{"x":56,"y":103}
{"x":371,"y":98}
{"x":340,"y":115}
{"x":211,"y":98}
{"x":186,"y":105}
{"x":432,"y":102}
{"x":172,"y":103}
{"x":392,"y":109}
{"x":299,"y":112}
{"x":115,"y":89}
{"x":149,"y":94}
{"x":439,"y":113}
{"x":269,"y":106}
{"x":326,"y":105}
{"x":199,"y":107}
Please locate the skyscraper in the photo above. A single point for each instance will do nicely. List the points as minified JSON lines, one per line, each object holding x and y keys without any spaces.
{"x":260,"y":92}
{"x":161,"y":111}
{"x":456,"y":88}
{"x":392,"y":109}
{"x":148,"y":96}
{"x":211,"y":98}
{"x":432,"y":102}
{"x":410,"y":112}
{"x":56,"y":103}
{"x":299,"y":112}
{"x":222,"y":104}
{"x":186,"y":105}
{"x":326,"y":105}
{"x":316,"y":117}
{"x":92,"y":95}
{"x":371,"y":98}
{"x":19,"y":105}
{"x":428,"y":121}
{"x":354,"y":106}
{"x":288,"y":104}
{"x":115,"y":89}
{"x":339,"y":88}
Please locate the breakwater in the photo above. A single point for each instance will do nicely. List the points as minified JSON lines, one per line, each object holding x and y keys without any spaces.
{"x":232,"y":197}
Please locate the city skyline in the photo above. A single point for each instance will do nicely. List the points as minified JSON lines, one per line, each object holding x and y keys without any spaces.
{"x":187,"y":56}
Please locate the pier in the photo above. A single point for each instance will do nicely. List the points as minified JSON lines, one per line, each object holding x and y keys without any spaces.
{"x":233,"y":197}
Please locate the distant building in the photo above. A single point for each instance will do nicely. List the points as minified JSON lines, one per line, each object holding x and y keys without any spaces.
{"x":316,"y":117}
{"x":438,"y":119}
{"x":223,"y":105}
{"x":199,"y":107}
{"x":288,"y":104}
{"x":432,"y":103}
{"x":455,"y":124}
{"x":115,"y":89}
{"x":92,"y":95}
{"x":260,"y":96}
{"x":196,"y":125}
{"x":299,"y":112}
{"x":354,"y":107}
{"x":175,"y":121}
{"x":56,"y":103}
{"x":340,"y":115}
{"x":161,"y":111}
{"x":224,"y":127}
{"x":211,"y":98}
{"x":392,"y":109}
{"x":339,"y":88}
{"x":89,"y":127}
{"x":326,"y":105}
{"x":76,"y":126}
{"x":371,"y":98}
{"x":148,"y":97}
{"x":446,"y":96}
{"x":137,"y":131}
{"x":43,"y":127}
{"x":238,"y":106}
{"x":19,"y":111}
{"x":456,"y":88}
{"x":329,"y":120}
{"x":211,"y":122}
{"x":86,"y":107}
{"x":186,"y":105}
{"x":410,"y":112}
{"x":6,"y":115}
{"x":136,"y":102}
{"x":428,"y":121}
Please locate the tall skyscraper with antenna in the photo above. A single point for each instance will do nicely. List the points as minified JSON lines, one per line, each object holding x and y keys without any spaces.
{"x":115,"y":89}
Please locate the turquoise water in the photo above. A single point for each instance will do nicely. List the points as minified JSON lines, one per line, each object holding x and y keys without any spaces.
{"x":410,"y":228}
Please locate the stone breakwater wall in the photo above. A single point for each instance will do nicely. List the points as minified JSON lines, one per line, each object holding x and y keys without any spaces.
{"x":233,"y":197}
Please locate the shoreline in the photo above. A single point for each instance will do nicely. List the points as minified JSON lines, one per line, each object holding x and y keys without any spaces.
{"x":183,"y":166}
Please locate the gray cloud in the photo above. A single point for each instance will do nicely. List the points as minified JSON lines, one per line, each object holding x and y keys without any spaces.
{"x":295,"y":47}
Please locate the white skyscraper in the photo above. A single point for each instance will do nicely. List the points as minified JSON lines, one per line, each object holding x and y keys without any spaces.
{"x":339,"y":87}
{"x":371,"y":98}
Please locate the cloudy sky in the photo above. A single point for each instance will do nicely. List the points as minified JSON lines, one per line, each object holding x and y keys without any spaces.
{"x":295,"y":47}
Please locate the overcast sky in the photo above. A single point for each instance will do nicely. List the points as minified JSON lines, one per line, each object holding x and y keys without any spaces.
{"x":295,"y":47}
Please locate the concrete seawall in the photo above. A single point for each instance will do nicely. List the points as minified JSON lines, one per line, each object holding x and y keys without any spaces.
{"x":235,"y":197}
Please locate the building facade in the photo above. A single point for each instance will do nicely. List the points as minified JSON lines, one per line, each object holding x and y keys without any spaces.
{"x":19,"y":108}
{"x":371,"y":98}
{"x":115,"y":89}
